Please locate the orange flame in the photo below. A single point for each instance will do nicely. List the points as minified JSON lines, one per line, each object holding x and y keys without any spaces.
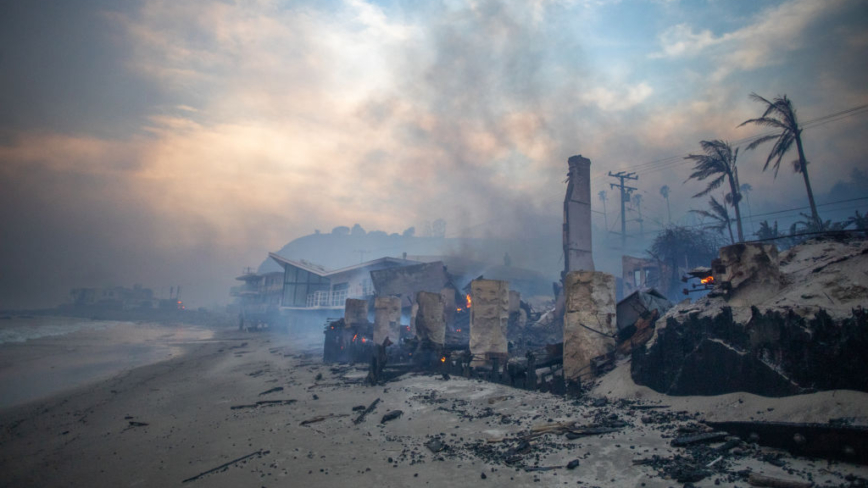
{"x":443,"y":359}
{"x":708,"y":280}
{"x":354,"y":337}
{"x":469,"y":301}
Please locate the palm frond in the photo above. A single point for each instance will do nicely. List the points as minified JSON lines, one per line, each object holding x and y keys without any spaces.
{"x":712,"y":185}
{"x":761,"y":140}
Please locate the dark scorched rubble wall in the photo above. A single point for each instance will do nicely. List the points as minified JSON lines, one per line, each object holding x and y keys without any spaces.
{"x":775,"y":354}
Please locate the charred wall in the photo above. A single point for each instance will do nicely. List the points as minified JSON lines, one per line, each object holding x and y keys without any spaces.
{"x":774,"y":354}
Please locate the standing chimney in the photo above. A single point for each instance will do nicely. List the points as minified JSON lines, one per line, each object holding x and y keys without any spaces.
{"x":577,"y":217}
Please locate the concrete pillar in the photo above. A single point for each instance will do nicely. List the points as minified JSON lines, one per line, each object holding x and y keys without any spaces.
{"x":449,"y":305}
{"x":489,"y":317}
{"x":577,"y":217}
{"x":355,"y":312}
{"x":589,"y":321}
{"x":430,"y":325}
{"x":414,"y":311}
{"x":387,"y":319}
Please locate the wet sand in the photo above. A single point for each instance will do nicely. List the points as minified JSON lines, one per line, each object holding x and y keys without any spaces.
{"x":39,"y":367}
{"x":162,"y":424}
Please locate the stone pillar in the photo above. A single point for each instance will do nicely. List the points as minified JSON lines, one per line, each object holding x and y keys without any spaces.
{"x":489,"y":317}
{"x":387,"y":319}
{"x":429,"y":319}
{"x":577,"y":217}
{"x":589,"y":321}
{"x":355,"y":312}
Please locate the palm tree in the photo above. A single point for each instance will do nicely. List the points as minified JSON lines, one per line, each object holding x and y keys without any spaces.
{"x":637,"y":201}
{"x":720,"y":215}
{"x":718,"y":161}
{"x":602,"y":196}
{"x":780,"y":114}
{"x":859,"y":221}
{"x":664,"y":190}
{"x":745,"y":190}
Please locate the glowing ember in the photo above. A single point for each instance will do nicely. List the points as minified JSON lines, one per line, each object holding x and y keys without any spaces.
{"x":443,"y":359}
{"x":708,"y":280}
{"x":354,"y":337}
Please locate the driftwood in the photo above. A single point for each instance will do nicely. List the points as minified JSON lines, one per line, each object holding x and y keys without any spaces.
{"x":365,"y":412}
{"x":226,"y":465}
{"x":275,"y":389}
{"x":767,"y":481}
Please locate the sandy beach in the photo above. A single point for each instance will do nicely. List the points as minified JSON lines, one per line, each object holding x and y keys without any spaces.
{"x":167,"y":423}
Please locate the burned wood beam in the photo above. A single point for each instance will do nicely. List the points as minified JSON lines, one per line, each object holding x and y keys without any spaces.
{"x":767,"y":481}
{"x":365,"y":412}
{"x":226,"y":465}
{"x":698,"y":439}
{"x":845,"y":443}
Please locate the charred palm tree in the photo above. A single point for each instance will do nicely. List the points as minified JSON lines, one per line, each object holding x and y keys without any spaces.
{"x":718,"y":163}
{"x":780,"y":114}
{"x":719,"y":216}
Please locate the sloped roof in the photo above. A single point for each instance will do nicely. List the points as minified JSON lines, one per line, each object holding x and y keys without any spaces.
{"x":320,"y":271}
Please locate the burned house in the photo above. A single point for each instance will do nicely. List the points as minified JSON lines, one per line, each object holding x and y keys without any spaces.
{"x":643,"y":274}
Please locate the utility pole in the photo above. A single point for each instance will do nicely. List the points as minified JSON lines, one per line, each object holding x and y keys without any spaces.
{"x":362,"y":253}
{"x":625,"y":197}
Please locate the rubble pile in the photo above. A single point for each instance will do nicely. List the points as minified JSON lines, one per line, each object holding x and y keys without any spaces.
{"x":773,"y":326}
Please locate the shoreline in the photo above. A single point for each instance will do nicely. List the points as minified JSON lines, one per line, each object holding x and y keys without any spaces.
{"x":164,"y":423}
{"x":54,"y":361}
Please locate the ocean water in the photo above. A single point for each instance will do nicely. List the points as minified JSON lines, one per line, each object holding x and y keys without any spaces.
{"x":43,"y":356}
{"x":22,"y":329}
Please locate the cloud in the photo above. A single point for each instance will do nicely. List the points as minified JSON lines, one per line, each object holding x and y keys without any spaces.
{"x":772,"y":32}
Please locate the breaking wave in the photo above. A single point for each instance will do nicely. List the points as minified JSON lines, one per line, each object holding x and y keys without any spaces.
{"x":25,"y":329}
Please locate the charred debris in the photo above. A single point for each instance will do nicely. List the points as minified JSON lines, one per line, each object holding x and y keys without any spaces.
{"x":772,"y":324}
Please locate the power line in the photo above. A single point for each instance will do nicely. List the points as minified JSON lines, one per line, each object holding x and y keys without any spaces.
{"x":667,"y":162}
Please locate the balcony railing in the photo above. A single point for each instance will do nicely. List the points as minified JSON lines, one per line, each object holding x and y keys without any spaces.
{"x":327,"y":299}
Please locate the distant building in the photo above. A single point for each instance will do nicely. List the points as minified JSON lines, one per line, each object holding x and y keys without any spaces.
{"x":115,"y":298}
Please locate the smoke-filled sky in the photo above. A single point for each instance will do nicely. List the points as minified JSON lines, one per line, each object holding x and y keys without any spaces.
{"x":165,"y":142}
